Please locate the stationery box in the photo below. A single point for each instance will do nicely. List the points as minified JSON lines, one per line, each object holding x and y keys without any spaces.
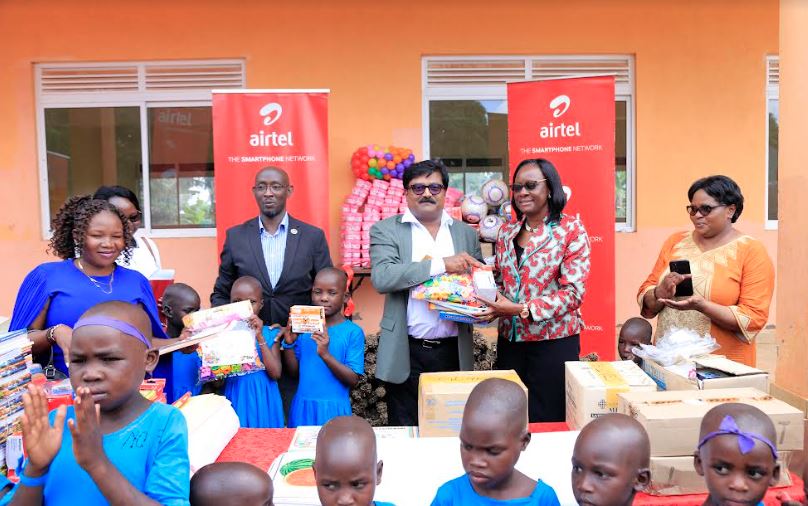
{"x":706,"y":373}
{"x":672,"y":418}
{"x":442,"y":397}
{"x":592,"y":388}
{"x":306,"y":319}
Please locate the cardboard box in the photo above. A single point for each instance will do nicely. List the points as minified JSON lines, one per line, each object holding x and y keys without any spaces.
{"x":672,"y":418}
{"x":484,"y":284}
{"x":306,"y":319}
{"x":677,"y":476}
{"x":442,"y":397}
{"x":592,"y":388}
{"x":684,"y":377}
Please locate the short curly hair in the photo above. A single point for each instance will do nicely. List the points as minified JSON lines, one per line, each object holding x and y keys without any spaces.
{"x":71,"y":222}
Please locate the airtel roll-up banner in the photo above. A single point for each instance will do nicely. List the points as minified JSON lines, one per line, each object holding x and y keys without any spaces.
{"x":570,"y":122}
{"x":253,"y":129}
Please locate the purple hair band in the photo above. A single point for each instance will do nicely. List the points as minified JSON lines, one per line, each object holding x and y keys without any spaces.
{"x":746,"y":440}
{"x":122,"y":326}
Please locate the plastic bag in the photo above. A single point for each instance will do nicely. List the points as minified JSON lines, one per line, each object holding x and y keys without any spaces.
{"x":677,"y":346}
{"x":231,"y":353}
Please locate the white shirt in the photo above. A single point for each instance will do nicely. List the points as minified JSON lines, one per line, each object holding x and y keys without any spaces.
{"x":423,"y":323}
{"x":145,"y":257}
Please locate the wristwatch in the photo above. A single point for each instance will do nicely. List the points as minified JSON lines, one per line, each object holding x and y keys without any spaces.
{"x":525,"y":311}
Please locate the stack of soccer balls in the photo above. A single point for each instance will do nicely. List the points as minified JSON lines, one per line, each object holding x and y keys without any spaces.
{"x":489,"y":210}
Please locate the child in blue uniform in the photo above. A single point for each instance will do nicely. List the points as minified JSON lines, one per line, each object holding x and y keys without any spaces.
{"x":133,"y":451}
{"x":611,"y":461}
{"x":179,"y":300}
{"x":255,"y":396}
{"x":327,"y":363}
{"x":737,"y":454}
{"x":492,"y":436}
{"x":345,"y":467}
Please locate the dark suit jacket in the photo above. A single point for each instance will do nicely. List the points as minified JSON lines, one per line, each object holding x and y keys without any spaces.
{"x":306,"y":253}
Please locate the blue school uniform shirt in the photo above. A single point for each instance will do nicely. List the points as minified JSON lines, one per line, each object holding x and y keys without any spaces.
{"x":255,"y":396}
{"x":320,"y":395}
{"x":460,"y":492}
{"x":71,"y":293}
{"x":151,"y":452}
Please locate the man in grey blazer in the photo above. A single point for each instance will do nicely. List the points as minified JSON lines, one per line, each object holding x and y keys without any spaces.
{"x":405,"y":251}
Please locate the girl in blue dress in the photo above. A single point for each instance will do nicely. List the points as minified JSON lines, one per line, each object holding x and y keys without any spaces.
{"x":255,"y":396}
{"x":113,"y":446}
{"x":328,"y":363}
{"x":179,"y":300}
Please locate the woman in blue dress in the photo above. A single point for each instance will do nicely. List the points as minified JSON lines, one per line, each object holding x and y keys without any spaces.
{"x":255,"y":396}
{"x":328,"y":363}
{"x":88,"y":235}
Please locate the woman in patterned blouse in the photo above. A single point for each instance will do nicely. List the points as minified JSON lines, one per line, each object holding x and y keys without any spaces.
{"x":542,"y":262}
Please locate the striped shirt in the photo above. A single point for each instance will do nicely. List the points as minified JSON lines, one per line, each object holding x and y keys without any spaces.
{"x":274,"y":247}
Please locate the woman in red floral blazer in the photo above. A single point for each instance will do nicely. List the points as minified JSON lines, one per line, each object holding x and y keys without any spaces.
{"x":542,"y":262}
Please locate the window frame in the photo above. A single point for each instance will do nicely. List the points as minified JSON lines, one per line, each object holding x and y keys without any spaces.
{"x":143,"y":99}
{"x":772,"y":93}
{"x":499,"y":92}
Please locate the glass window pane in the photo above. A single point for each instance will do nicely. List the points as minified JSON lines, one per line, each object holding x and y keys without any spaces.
{"x":90,"y":147}
{"x":471,"y":137}
{"x":181,"y":167}
{"x":774,"y":131}
{"x":620,"y":162}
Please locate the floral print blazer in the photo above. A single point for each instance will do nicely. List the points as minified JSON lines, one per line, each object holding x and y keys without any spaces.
{"x":550,"y":277}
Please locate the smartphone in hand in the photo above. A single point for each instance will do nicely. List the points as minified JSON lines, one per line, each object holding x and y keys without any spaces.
{"x":685,"y":288}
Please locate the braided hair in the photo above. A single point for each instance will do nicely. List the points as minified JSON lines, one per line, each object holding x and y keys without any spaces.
{"x":71,"y":222}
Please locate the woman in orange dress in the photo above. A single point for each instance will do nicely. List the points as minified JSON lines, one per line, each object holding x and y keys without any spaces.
{"x":732,"y":275}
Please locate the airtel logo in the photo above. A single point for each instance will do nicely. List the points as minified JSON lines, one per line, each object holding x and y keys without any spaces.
{"x":559,"y":105}
{"x":271,"y":113}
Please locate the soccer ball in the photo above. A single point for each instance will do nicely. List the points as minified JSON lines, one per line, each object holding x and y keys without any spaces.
{"x":494,"y":192}
{"x":489,"y":227}
{"x":473,"y":209}
{"x":505,"y":211}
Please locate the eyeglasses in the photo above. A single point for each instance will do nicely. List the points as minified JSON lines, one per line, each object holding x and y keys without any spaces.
{"x":530,"y":185}
{"x":704,"y":210}
{"x":135,"y":217}
{"x":275,"y":188}
{"x":419,"y":188}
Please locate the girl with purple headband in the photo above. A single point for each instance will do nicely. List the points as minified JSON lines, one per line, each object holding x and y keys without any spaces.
{"x":113,"y":446}
{"x":737,"y":455}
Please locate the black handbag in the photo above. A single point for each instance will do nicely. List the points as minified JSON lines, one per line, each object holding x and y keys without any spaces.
{"x":52,"y":373}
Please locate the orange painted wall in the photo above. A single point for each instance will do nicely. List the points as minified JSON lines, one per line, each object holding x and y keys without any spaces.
{"x":700,"y":82}
{"x":792,"y":374}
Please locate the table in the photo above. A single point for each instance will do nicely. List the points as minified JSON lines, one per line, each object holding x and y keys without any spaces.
{"x":260,"y":447}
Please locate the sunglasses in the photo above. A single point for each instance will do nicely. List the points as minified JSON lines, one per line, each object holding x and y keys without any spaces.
{"x":704,"y":210}
{"x":530,"y":185}
{"x":419,"y":189}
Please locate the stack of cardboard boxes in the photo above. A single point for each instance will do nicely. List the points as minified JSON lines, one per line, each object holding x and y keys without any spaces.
{"x":673,"y":418}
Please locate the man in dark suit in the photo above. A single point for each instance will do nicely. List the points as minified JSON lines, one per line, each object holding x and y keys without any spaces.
{"x":405,"y":251}
{"x":283,"y":253}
